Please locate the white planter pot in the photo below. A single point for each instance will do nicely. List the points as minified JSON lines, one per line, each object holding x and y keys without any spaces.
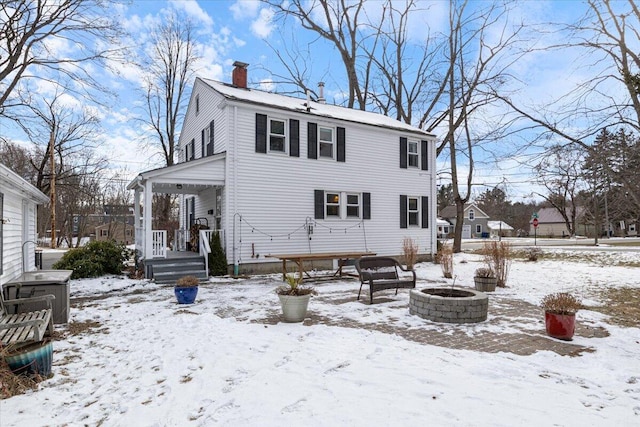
{"x":294,"y":308}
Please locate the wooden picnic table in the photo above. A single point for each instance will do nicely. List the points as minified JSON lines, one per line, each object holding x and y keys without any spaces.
{"x":300,"y":259}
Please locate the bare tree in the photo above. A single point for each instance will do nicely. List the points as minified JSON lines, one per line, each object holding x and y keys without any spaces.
{"x":170,"y":67}
{"x":337,"y":22}
{"x":28,"y":29}
{"x":560,"y":172}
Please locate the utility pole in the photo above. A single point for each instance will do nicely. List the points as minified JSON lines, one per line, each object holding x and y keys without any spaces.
{"x":52,"y":195}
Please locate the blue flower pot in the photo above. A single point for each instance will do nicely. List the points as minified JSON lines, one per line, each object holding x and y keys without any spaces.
{"x":34,"y":359}
{"x":186,"y":294}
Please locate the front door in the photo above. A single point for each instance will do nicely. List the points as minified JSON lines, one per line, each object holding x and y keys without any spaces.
{"x":466,"y":231}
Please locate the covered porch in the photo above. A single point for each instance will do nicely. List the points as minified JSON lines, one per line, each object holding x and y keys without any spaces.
{"x":190,"y":180}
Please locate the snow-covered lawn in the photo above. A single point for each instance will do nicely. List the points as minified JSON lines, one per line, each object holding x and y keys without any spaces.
{"x":133,"y":357}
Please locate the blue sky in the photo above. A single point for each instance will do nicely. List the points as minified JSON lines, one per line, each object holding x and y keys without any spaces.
{"x":240,"y":30}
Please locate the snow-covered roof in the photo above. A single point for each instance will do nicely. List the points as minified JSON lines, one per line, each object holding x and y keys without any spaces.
{"x":498,"y":225}
{"x":275,"y":100}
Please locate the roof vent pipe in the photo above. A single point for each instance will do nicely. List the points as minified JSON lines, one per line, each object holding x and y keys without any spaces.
{"x":321,"y":99}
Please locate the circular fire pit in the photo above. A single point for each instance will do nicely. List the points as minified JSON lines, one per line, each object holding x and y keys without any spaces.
{"x":449,"y":305}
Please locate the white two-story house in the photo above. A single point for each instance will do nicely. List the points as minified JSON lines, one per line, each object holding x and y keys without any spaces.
{"x":278,"y":174}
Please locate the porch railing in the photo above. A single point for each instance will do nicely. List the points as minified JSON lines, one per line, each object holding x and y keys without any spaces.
{"x":159,"y":243}
{"x":180,"y":240}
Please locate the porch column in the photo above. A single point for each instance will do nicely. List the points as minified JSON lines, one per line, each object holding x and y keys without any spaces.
{"x":137,"y":222}
{"x":146,"y":220}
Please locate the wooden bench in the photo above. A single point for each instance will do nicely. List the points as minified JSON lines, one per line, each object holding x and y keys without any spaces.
{"x":18,"y":329}
{"x":381,"y":273}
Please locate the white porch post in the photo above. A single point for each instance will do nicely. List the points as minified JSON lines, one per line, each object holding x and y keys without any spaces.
{"x":137,"y":224}
{"x":146,"y":221}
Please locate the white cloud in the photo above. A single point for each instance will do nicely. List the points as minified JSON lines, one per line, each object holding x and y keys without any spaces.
{"x":263,"y":25}
{"x":193,"y":10}
{"x":267,"y":85}
{"x":243,"y":9}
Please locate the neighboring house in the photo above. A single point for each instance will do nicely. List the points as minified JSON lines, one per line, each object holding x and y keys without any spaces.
{"x":121,"y":232}
{"x":85,"y":225}
{"x":475,"y":220}
{"x":444,"y":228}
{"x":281,"y":175}
{"x":18,"y":224}
{"x":552,"y":224}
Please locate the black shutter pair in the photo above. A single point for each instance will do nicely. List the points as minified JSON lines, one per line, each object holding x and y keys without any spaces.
{"x":312,"y":142}
{"x":261,"y":135}
{"x":318,"y":198}
{"x":424,"y":154}
{"x":404,"y":211}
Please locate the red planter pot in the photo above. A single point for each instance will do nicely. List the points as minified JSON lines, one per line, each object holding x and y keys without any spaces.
{"x":561,"y":326}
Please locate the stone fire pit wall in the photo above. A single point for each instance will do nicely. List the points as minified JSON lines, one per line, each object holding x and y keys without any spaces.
{"x":466,"y":306}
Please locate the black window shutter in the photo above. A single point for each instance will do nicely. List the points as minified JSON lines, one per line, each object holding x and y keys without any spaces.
{"x":202,"y":147}
{"x":403,"y":153}
{"x":318,"y":197}
{"x":341,"y":152}
{"x":312,"y":140}
{"x":210,"y":145}
{"x":192,"y":155}
{"x":261,"y":133}
{"x":424,"y":153}
{"x":403,"y":211}
{"x":294,"y":138}
{"x":425,"y":211}
{"x":366,"y":205}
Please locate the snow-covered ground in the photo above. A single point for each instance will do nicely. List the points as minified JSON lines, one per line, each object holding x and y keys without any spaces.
{"x":144,"y":360}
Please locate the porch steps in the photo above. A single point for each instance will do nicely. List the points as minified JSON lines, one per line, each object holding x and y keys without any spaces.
{"x":169,"y":270}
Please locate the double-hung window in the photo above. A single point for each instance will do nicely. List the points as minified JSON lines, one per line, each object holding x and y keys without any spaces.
{"x":472,"y":214}
{"x":277,"y":135}
{"x":332,"y":205}
{"x":413,"y":154}
{"x":353,"y":205}
{"x":342,"y":205}
{"x":326,"y":140}
{"x":413,"y":209}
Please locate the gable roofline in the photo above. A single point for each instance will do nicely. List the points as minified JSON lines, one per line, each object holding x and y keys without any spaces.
{"x":451,"y":211}
{"x":18,"y":183}
{"x":299,"y":105}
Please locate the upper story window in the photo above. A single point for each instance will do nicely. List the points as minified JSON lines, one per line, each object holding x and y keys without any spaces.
{"x":472,"y":214}
{"x":413,"y":154}
{"x":197,"y":104}
{"x":326,"y":140}
{"x":277,"y":135}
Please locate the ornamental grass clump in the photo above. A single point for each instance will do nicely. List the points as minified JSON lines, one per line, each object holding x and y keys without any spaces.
{"x":445,"y":258}
{"x":561,"y":303}
{"x":188,"y":281}
{"x":409,"y":252}
{"x":498,"y":256}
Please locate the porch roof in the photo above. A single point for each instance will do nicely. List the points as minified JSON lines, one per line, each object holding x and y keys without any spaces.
{"x":184,"y":178}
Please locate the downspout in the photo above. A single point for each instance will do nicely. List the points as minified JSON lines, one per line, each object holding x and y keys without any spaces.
{"x":236,"y":267}
{"x":434,"y":202}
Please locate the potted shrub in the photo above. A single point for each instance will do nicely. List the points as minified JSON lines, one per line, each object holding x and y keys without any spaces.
{"x":485,"y":279}
{"x":186,"y":289}
{"x":294,"y":299}
{"x":560,"y":314}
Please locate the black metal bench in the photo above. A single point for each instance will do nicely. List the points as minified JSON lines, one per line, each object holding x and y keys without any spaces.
{"x":381,"y":273}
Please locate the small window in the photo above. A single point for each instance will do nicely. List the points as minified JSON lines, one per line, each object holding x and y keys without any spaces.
{"x":472,"y":214}
{"x":353,"y":206}
{"x":325,"y":137}
{"x":632,"y":227}
{"x":413,"y":156}
{"x":478,"y":229}
{"x":104,"y":233}
{"x":277,"y":135}
{"x":333,"y":205}
{"x":197,"y":104}
{"x":128,"y":232}
{"x":413,"y":210}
